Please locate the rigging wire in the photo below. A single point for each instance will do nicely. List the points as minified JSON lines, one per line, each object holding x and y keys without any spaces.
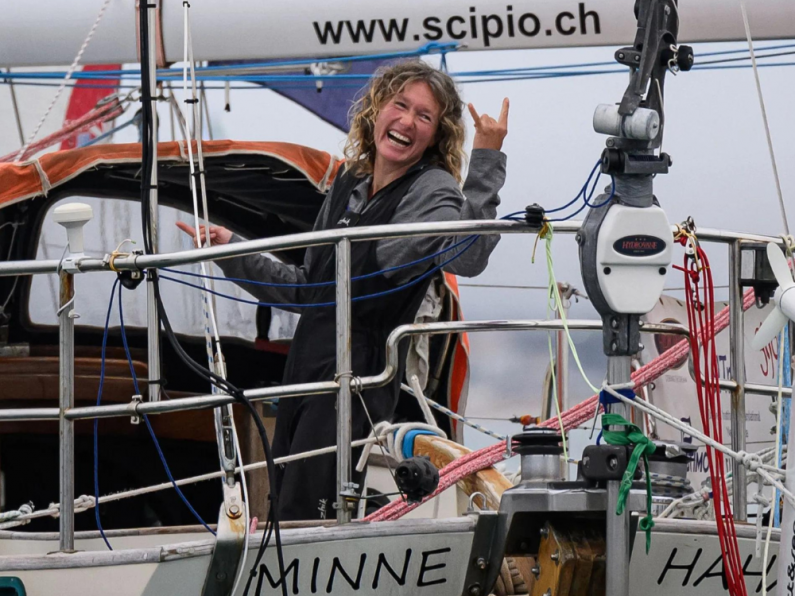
{"x":774,"y":499}
{"x":66,"y":78}
{"x":15,"y":107}
{"x":147,"y":139}
{"x":764,"y":116}
{"x":111,"y":132}
{"x":216,"y":360}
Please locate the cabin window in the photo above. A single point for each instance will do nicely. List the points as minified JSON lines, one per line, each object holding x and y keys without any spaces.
{"x":114,"y":221}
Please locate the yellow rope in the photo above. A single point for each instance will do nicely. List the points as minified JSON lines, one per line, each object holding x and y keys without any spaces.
{"x":553,"y":288}
{"x":542,"y":233}
{"x":116,"y":254}
{"x":692,"y":240}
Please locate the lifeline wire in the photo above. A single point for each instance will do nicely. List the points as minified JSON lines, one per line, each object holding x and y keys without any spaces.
{"x":454,"y":415}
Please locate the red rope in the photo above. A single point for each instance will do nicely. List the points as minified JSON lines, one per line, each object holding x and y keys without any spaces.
{"x":700,"y":294}
{"x":572,"y":418}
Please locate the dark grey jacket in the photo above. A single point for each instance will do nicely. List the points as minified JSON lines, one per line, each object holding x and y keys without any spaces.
{"x":435,"y":196}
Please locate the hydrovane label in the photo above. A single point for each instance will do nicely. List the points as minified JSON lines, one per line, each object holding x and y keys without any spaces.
{"x":639,"y":246}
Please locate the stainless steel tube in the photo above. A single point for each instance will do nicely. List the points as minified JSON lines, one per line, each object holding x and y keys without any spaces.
{"x":152,"y":317}
{"x":29,"y":414}
{"x":449,"y":228}
{"x":737,"y":364}
{"x":138,"y":262}
{"x":619,"y":369}
{"x":755,"y":389}
{"x":344,"y":372}
{"x":323,"y":387}
{"x":66,"y":459}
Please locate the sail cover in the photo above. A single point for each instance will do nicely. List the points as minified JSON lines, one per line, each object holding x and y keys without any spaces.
{"x":252,"y":29}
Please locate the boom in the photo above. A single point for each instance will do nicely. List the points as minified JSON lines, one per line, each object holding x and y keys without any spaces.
{"x":49,"y":32}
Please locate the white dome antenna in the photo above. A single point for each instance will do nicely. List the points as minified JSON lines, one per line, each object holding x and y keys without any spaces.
{"x":73,"y":216}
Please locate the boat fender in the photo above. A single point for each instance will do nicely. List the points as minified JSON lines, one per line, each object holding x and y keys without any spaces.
{"x":416,"y":477}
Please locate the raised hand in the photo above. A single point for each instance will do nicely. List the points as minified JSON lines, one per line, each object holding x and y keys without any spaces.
{"x":490,"y":133}
{"x":218,"y":234}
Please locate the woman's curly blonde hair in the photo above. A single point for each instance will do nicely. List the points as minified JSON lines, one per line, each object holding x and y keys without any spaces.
{"x":448,"y":150}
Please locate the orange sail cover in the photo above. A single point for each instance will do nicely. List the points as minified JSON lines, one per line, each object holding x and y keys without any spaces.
{"x":36,"y":177}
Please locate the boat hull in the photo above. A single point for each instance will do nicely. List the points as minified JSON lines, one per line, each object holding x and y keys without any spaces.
{"x":394,"y":558}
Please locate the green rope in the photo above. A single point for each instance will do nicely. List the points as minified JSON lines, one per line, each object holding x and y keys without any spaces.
{"x":643,"y":446}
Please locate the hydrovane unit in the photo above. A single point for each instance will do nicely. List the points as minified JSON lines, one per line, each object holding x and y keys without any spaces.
{"x":625,"y":252}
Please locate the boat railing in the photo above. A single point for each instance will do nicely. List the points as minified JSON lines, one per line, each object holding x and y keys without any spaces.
{"x":66,"y":413}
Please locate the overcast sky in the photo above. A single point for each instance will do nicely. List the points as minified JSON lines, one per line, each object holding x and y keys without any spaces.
{"x":721,"y":177}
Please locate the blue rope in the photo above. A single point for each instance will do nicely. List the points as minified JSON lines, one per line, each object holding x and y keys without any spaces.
{"x":582,"y":192}
{"x":109,"y":133}
{"x":149,"y":426}
{"x":96,"y":420}
{"x":416,"y":280}
{"x":429,"y":48}
{"x":608,"y":199}
{"x":469,"y":241}
{"x":167,"y":73}
{"x":586,"y":195}
{"x":320,"y":284}
{"x":308,"y":81}
{"x":480,"y":73}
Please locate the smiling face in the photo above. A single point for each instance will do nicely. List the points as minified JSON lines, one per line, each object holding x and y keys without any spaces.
{"x":406,"y":126}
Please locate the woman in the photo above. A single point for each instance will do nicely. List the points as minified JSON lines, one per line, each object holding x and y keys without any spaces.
{"x":404,"y":155}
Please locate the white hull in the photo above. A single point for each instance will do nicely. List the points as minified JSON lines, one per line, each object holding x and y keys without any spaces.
{"x":50,"y":32}
{"x":423,"y":557}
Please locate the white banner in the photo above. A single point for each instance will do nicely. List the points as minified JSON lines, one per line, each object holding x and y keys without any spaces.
{"x":49,"y":32}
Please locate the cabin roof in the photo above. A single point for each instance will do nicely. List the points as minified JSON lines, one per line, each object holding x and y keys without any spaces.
{"x":278,"y":178}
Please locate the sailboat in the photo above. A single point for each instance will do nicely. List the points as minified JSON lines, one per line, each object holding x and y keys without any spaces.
{"x":561,"y":534}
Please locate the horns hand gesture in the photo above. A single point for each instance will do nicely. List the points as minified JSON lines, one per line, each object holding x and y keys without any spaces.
{"x":489,"y":133}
